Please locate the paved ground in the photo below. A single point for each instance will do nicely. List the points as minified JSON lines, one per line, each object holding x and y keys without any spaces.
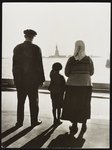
{"x":48,"y":136}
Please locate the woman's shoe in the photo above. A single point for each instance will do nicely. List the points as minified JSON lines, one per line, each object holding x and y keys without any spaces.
{"x":58,"y":121}
{"x":73,"y":130}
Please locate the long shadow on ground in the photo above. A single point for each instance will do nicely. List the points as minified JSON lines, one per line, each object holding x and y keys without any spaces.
{"x":9,"y":131}
{"x":38,"y":141}
{"x":16,"y":137}
{"x":66,"y":141}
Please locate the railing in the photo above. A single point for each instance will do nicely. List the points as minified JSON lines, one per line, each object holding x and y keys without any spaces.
{"x":8,"y":84}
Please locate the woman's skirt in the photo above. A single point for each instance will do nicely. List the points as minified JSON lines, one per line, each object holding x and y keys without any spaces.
{"x":77,"y":104}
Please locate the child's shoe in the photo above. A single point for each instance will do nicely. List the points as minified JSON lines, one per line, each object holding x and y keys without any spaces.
{"x":58,"y":121}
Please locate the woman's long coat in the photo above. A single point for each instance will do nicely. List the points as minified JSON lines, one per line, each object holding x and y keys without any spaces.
{"x":77,"y":102}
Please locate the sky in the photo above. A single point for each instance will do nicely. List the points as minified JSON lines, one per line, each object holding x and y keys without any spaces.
{"x":60,"y":24}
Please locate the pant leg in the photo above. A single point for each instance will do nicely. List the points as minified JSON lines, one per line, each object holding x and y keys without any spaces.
{"x":34,"y":106}
{"x":21,"y":95}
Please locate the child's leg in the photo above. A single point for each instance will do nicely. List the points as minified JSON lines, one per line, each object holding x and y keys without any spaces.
{"x":54,"y":114}
{"x":59,"y":113}
{"x":53,"y":106}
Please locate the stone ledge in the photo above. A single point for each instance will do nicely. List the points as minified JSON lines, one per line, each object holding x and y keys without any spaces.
{"x":97,"y":87}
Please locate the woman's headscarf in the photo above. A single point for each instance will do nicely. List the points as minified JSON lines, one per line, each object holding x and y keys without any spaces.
{"x":79,"y":51}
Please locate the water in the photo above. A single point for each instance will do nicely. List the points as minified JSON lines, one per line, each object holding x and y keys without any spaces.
{"x":101,"y":74}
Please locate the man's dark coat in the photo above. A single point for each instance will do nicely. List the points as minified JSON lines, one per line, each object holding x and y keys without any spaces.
{"x":27,"y":65}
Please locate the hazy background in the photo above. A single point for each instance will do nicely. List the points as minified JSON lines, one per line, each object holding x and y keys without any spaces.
{"x":57,"y":23}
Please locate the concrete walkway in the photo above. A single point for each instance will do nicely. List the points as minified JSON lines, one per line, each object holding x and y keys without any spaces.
{"x":48,"y":136}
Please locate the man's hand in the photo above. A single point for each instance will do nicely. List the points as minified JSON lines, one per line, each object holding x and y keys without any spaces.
{"x":42,"y":84}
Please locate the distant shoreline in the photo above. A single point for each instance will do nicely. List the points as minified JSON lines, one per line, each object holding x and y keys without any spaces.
{"x":99,"y":65}
{"x":92,"y":56}
{"x":60,"y":57}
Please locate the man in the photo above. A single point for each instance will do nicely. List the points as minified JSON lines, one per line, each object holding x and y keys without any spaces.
{"x":28,"y":75}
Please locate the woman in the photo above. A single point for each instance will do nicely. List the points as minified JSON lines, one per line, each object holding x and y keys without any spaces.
{"x":77,"y":103}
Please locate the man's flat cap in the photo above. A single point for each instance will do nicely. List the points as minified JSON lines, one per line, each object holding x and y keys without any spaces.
{"x":30,"y":32}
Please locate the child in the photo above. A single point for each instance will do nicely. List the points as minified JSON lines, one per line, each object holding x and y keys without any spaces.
{"x":56,"y":88}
